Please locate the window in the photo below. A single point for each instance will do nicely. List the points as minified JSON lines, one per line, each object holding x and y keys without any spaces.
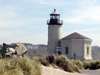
{"x":59,"y":43}
{"x":66,"y":50}
{"x":87,"y":50}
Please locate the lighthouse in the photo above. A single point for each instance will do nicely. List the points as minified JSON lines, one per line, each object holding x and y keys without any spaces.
{"x":54,"y":25}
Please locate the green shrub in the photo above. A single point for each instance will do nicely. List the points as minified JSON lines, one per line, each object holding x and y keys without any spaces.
{"x":92,"y":65}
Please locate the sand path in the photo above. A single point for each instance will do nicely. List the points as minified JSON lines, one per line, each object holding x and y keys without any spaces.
{"x":52,"y":71}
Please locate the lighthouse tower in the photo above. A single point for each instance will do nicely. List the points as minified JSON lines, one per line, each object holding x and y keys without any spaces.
{"x":54,"y":25}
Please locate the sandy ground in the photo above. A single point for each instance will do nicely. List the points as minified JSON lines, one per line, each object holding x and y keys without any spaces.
{"x":91,"y":72}
{"x":52,"y":71}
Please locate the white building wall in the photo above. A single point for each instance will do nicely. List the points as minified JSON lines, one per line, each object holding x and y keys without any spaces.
{"x":77,"y":48}
{"x":86,"y":55}
{"x":66,"y":43}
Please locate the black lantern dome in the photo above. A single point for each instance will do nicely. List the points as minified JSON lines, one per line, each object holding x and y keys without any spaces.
{"x":54,"y":19}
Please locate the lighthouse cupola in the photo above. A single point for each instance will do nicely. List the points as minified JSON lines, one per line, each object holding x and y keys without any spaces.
{"x":54,"y":19}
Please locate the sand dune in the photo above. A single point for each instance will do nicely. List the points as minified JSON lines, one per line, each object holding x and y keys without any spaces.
{"x":52,"y":71}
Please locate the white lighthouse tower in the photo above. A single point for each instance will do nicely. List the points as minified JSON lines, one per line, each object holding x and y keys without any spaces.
{"x":54,"y":25}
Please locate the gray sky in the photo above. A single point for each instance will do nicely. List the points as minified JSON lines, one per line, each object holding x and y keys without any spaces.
{"x":25,"y":20}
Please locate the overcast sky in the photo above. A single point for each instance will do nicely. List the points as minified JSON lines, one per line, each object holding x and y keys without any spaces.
{"x":25,"y":20}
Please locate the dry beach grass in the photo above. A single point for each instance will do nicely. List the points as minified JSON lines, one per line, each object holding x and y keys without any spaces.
{"x":64,"y":66}
{"x":20,"y":66}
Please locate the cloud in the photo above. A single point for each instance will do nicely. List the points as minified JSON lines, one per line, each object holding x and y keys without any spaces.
{"x":25,"y":20}
{"x":6,"y":15}
{"x":50,"y":3}
{"x":91,"y":14}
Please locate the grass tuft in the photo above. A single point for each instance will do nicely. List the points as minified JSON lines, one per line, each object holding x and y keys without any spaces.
{"x":20,"y":66}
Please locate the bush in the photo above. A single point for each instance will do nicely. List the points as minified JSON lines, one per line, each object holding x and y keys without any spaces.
{"x":79,"y":63}
{"x":50,"y":59}
{"x":86,"y":64}
{"x":21,"y":66}
{"x":92,"y":65}
{"x":66,"y":64}
{"x":44,"y":62}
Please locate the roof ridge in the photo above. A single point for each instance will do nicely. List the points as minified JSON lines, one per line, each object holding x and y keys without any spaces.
{"x":76,"y":35}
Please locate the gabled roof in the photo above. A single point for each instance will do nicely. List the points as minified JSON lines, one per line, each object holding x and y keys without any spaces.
{"x":75,"y":35}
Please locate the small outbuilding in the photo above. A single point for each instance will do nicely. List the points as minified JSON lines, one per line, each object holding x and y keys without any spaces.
{"x":76,"y":46}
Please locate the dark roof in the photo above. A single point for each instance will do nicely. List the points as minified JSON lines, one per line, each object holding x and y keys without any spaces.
{"x":76,"y":35}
